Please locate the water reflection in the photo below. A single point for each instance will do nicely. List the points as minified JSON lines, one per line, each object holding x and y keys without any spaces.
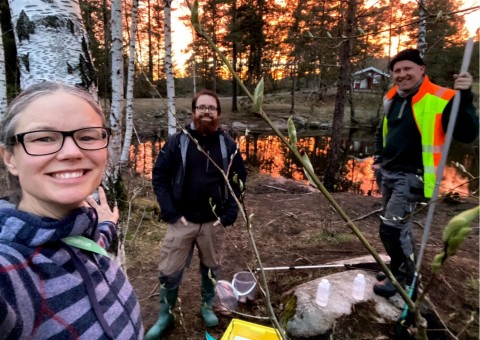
{"x":268,"y":154}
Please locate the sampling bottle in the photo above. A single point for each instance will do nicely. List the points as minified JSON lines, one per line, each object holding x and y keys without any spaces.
{"x":358,"y":289}
{"x":323,"y":293}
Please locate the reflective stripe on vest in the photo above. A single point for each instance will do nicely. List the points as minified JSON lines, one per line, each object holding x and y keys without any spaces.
{"x":427,"y":106}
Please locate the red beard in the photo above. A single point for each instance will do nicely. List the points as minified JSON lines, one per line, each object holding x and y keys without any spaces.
{"x":206,"y":127}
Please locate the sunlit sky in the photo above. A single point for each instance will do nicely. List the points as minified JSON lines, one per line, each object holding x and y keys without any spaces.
{"x":185,"y":32}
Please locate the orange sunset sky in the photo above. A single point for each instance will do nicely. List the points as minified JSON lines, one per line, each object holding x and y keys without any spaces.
{"x":180,"y":29}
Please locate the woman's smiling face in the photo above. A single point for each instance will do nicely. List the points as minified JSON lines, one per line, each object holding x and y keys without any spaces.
{"x":53,"y":185}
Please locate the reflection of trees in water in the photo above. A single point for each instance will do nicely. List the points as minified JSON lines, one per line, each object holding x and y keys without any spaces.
{"x":463,"y":154}
{"x":270,"y":156}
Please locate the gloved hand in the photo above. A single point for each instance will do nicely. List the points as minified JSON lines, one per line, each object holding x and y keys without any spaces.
{"x":377,"y":173}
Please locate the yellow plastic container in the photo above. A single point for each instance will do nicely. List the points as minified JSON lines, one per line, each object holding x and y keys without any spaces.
{"x":244,"y":330}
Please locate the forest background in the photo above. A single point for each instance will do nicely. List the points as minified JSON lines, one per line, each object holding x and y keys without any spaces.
{"x":305,"y":45}
{"x":289,"y":46}
{"x":277,"y":40}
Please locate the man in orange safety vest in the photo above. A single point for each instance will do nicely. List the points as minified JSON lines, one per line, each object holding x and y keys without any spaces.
{"x":408,"y":147}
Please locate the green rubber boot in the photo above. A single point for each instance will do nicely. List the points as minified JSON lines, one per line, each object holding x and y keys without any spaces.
{"x":208,"y":293}
{"x":166,"y":319}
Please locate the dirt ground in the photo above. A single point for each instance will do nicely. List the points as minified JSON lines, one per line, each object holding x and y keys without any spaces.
{"x":293,"y":225}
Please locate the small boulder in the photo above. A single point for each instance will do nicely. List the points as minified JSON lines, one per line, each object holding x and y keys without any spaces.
{"x":309,"y":320}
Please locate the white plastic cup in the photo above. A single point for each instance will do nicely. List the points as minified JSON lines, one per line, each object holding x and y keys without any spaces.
{"x":323,"y":293}
{"x":358,"y":289}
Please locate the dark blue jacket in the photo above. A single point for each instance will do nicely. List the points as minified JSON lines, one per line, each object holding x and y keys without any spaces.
{"x":168,"y":176}
{"x":50,"y":290}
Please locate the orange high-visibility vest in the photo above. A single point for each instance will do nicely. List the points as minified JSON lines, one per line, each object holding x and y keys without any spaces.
{"x":427,"y":106}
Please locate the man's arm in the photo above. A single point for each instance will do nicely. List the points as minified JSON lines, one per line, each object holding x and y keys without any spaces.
{"x":237,"y":178}
{"x":162,"y":177}
{"x":378,"y":143}
{"x":466,"y":127}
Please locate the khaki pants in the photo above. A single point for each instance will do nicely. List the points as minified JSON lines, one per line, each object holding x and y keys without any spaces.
{"x":178,"y":246}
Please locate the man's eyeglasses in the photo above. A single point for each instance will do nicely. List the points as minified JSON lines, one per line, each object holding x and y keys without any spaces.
{"x":47,"y":142}
{"x":204,"y":108}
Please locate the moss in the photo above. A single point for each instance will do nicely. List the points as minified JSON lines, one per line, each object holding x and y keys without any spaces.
{"x":120,"y":193}
{"x":290,"y":303}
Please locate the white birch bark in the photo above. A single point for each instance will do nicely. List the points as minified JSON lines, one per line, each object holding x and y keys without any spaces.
{"x":172,"y":121}
{"x":116,"y":112}
{"x":422,"y":29}
{"x":117,"y":105}
{"x":194,"y":64}
{"x":3,"y":78}
{"x":127,"y":141}
{"x":52,"y":43}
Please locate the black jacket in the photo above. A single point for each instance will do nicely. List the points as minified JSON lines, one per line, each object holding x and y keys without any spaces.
{"x":169,"y":178}
{"x":403,"y":149}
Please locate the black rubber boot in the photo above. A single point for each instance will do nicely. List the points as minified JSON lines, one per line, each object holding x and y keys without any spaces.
{"x":385,"y":288}
{"x":166,"y":319}
{"x":380,"y":276}
{"x":208,"y":293}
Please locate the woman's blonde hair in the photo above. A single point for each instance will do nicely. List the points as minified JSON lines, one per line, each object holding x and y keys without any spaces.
{"x":18,"y":105}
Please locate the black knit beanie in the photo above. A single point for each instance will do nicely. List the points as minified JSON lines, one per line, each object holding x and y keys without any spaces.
{"x":408,"y":54}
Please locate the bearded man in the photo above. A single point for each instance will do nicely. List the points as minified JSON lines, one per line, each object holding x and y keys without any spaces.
{"x":196,"y":203}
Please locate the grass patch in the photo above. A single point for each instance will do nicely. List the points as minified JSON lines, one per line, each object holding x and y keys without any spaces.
{"x":330,"y":236}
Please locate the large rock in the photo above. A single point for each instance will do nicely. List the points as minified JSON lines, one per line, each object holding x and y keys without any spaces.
{"x":307,"y":320}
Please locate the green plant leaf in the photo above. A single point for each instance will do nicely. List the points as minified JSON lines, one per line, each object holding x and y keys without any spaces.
{"x":292,"y":132}
{"x":194,"y":17}
{"x":308,"y":165}
{"x":258,"y":96}
{"x":458,"y":229}
{"x":437,"y":262}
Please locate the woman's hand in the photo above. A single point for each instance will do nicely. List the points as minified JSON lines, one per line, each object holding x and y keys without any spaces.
{"x":103,"y":209}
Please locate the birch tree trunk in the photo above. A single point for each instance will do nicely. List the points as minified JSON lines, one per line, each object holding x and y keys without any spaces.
{"x":3,"y":78}
{"x":172,"y":121}
{"x":117,"y":105}
{"x":194,"y":64}
{"x":113,"y":180}
{"x":234,"y":59}
{"x":127,"y":141}
{"x":422,"y":29}
{"x":43,"y":30}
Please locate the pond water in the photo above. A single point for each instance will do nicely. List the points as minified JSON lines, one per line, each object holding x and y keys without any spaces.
{"x":268,"y":154}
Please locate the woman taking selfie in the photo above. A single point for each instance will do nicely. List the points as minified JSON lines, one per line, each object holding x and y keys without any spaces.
{"x":56,"y":280}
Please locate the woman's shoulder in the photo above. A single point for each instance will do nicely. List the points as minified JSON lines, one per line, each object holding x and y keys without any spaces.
{"x":5,"y":204}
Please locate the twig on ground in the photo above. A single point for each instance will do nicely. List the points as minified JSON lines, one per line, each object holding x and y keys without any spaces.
{"x":270,"y":222}
{"x":272,"y":187}
{"x":138,"y":226}
{"x":152,"y":292}
{"x":303,"y":258}
{"x":445,"y":327}
{"x":368,"y":214}
{"x":472,"y":319}
{"x":448,"y":284}
{"x":361,"y":217}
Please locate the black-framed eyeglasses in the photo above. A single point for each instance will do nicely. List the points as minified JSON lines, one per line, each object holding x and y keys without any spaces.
{"x":47,"y":142}
{"x":204,"y":108}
